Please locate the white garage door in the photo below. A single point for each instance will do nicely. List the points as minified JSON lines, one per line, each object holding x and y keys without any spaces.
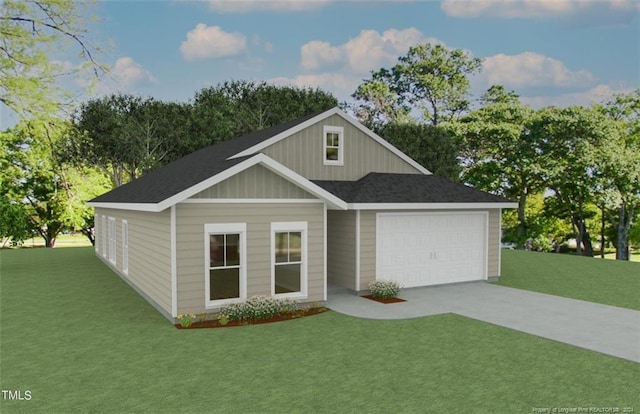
{"x":421,"y":249}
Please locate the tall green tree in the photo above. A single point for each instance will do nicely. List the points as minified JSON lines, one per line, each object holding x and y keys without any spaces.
{"x":376,"y":105}
{"x":430,"y":79}
{"x":52,"y":196}
{"x":127,"y":136}
{"x":35,"y":36}
{"x":499,"y":153}
{"x":620,"y":167}
{"x":571,"y":143}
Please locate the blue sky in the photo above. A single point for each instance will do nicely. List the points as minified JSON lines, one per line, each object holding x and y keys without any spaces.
{"x":551,"y":52}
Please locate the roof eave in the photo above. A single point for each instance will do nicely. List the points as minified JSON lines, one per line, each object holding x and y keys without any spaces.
{"x":431,"y":206}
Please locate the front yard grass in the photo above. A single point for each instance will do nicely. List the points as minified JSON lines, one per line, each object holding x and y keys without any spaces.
{"x":81,"y":340}
{"x":610,"y":282}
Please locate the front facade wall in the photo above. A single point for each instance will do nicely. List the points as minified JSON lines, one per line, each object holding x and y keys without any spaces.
{"x":149,"y":251}
{"x":255,"y":182}
{"x":190,"y":225}
{"x":341,"y":248}
{"x":303,"y":153}
{"x":368,"y":242}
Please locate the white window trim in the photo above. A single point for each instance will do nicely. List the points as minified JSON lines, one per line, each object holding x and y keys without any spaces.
{"x":125,"y":247}
{"x":292,"y":226}
{"x":112,"y":240}
{"x":103,"y":236}
{"x":223,"y":228}
{"x":340,"y":131}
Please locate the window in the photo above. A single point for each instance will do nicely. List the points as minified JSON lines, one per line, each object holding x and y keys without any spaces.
{"x":333,"y":145}
{"x":103,"y":231}
{"x":289,"y":259}
{"x":125,"y":246}
{"x":225,"y":278}
{"x":112,"y":240}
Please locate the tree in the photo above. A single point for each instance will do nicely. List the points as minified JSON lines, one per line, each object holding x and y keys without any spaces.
{"x":571,"y":143}
{"x":499,"y":153}
{"x":429,"y":78}
{"x":48,"y":192}
{"x":35,"y":35}
{"x":620,"y":166}
{"x":435,"y":148}
{"x":236,"y":108}
{"x":127,"y":136}
{"x":376,"y":105}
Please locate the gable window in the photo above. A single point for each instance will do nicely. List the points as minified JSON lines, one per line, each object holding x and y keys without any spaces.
{"x":333,"y":145}
{"x":289,"y":259}
{"x":112,"y":240}
{"x":125,"y":246}
{"x":225,"y":264}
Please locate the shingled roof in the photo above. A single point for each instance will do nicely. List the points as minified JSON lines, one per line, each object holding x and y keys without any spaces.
{"x":192,"y":169}
{"x":406,"y":188}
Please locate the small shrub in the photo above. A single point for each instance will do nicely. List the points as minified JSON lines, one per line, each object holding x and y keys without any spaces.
{"x":384,"y":289}
{"x":259,"y":307}
{"x":223,"y":319}
{"x":186,"y":320}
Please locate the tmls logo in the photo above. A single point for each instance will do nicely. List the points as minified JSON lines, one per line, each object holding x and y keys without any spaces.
{"x":16,"y":395}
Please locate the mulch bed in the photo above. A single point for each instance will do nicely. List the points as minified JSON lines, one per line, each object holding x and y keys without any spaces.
{"x":277,"y":318}
{"x":385,"y":301}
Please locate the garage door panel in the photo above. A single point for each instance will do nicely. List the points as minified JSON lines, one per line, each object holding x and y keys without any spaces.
{"x":428,"y":249}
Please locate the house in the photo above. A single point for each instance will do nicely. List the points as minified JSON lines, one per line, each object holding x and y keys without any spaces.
{"x":287,"y":211}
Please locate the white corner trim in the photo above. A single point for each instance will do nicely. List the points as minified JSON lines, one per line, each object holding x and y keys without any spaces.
{"x":174,"y":264}
{"x":357,"y":250}
{"x":429,"y":206}
{"x":324,"y":248}
{"x":499,"y":243}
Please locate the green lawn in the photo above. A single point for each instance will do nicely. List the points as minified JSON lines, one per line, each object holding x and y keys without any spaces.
{"x":610,"y":282}
{"x":81,"y":340}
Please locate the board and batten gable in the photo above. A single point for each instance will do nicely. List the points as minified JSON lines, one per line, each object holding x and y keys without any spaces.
{"x":255,"y":182}
{"x":303,"y":153}
{"x":190,"y":223}
{"x":368,"y":242}
{"x":149,"y":251}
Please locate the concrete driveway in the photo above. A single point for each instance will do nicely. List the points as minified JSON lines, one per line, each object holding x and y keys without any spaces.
{"x":602,"y":328}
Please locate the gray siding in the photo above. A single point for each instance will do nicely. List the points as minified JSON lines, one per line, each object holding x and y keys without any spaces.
{"x":368,"y":243}
{"x":341,"y":248}
{"x":149,"y":251}
{"x":302,"y":152}
{"x":190,"y":220}
{"x":255,"y":182}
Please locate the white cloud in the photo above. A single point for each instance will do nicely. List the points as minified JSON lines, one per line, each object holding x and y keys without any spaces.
{"x":127,"y":73}
{"x":369,"y":50}
{"x":248,"y":6}
{"x":599,"y":93}
{"x":531,"y":70}
{"x":210,"y":42}
{"x":508,"y":9}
